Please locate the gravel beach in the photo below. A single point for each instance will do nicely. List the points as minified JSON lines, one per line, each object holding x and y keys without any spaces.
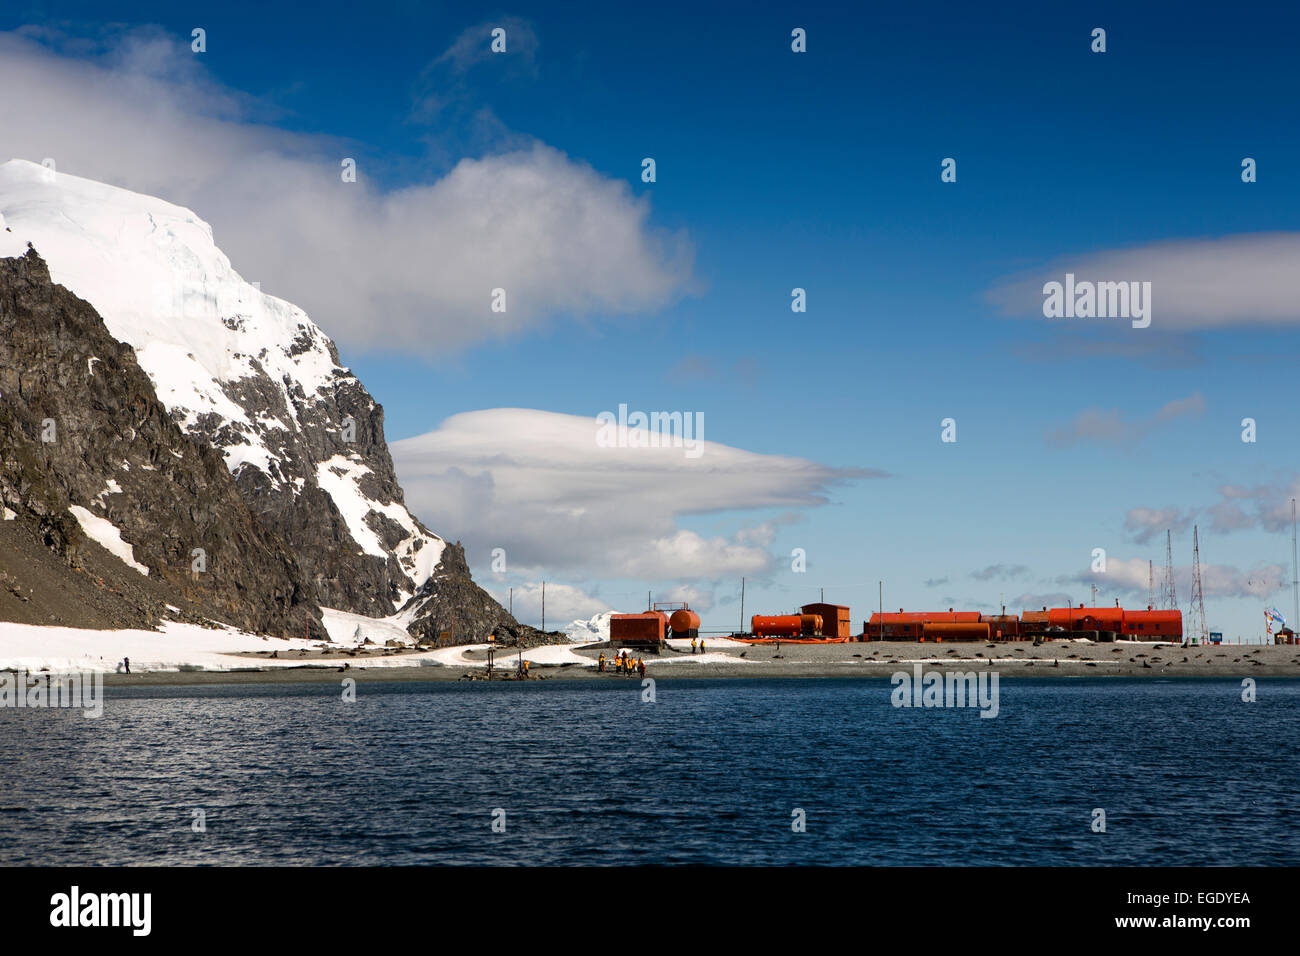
{"x":726,"y":658}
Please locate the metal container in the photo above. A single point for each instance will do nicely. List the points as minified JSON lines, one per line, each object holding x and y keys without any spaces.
{"x":908,"y":625}
{"x":1002,"y":627}
{"x":684,"y":622}
{"x":1033,"y":623}
{"x":784,"y":625}
{"x":836,"y":621}
{"x":955,"y":632}
{"x":646,"y":628}
{"x":810,"y":625}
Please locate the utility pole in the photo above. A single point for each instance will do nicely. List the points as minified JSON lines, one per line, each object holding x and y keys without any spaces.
{"x":881,"y":598}
{"x":512,"y":602}
{"x":1151,"y":585}
{"x":742,"y":607}
{"x":543,"y":607}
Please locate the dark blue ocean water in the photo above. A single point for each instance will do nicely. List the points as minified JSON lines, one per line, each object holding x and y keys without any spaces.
{"x":710,"y":773}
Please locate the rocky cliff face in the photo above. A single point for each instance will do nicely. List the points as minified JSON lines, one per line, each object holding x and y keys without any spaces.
{"x":87,"y":452}
{"x":251,"y":377}
{"x":247,"y":373}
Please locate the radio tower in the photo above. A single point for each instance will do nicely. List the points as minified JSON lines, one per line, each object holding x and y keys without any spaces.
{"x":1198,"y":599}
{"x":1167,"y":595}
{"x":1295,"y":571}
{"x":1151,"y":585}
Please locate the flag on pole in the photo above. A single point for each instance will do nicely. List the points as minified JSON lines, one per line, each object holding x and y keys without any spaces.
{"x":1274,"y":616}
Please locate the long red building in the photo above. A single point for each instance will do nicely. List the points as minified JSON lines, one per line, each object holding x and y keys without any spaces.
{"x":1096,"y":623}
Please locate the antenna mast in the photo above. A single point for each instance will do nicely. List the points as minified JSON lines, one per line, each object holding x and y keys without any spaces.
{"x":1168,"y":595}
{"x":1151,"y":584}
{"x":1198,"y":599}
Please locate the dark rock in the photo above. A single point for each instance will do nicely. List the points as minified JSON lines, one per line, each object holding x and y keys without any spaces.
{"x":450,"y":602}
{"x":61,"y":369}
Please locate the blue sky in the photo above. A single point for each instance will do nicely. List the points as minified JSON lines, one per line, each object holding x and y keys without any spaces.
{"x":821,"y":170}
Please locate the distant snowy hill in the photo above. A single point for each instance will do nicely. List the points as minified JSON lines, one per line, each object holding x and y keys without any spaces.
{"x":253,"y":377}
{"x":593,"y":629}
{"x":247,"y":372}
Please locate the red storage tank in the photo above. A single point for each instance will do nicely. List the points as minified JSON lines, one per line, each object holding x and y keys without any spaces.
{"x":907,"y":625}
{"x":955,"y":632}
{"x":684,"y":622}
{"x":786,"y":625}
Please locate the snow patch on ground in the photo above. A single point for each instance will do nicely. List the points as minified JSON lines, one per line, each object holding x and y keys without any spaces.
{"x":106,"y":533}
{"x":709,"y":658}
{"x":352,"y":629}
{"x":684,"y":643}
{"x":63,"y":649}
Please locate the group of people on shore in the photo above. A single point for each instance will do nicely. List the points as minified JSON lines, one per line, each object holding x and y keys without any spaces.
{"x":623,"y":663}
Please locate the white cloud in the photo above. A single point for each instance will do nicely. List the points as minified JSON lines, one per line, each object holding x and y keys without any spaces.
{"x":1109,"y":425}
{"x":443,"y":82}
{"x":698,"y":598}
{"x":564,"y":603}
{"x":409,"y":270}
{"x":1195,"y":283}
{"x":1030,"y":601}
{"x":1266,"y":507}
{"x":1002,"y":571}
{"x":1270,"y":506}
{"x":1130,"y":576}
{"x":540,"y":486}
{"x":1147,"y":523}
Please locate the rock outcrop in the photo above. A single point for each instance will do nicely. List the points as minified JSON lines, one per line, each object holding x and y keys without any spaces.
{"x":85,"y":445}
{"x":449,"y":602}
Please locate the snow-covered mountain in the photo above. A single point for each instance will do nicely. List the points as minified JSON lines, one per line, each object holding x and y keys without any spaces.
{"x":243,"y":371}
